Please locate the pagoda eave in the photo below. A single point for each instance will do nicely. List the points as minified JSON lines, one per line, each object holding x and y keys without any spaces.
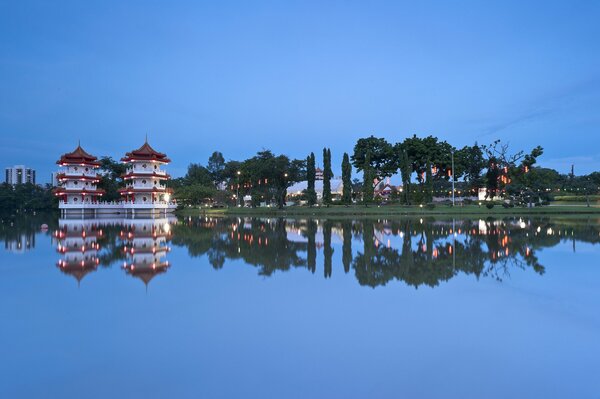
{"x":145,"y":159}
{"x":145,"y":175}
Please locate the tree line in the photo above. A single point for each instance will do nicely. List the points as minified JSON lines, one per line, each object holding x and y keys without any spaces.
{"x":426,"y":166}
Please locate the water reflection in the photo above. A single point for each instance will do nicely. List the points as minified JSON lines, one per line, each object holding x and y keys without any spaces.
{"x":141,"y":244}
{"x":146,"y":247}
{"x":417,"y":252}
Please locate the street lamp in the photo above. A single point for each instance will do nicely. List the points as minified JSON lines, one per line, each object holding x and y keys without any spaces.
{"x":238,"y":187}
{"x":453,"y":177}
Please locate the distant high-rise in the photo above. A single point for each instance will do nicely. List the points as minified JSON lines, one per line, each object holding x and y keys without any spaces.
{"x":19,"y":174}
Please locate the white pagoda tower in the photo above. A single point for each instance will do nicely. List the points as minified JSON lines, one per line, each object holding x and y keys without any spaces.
{"x":145,"y":180}
{"x":77,"y":181}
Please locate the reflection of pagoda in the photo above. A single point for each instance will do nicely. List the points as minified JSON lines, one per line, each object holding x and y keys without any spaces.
{"x":146,"y":247}
{"x":77,"y":243}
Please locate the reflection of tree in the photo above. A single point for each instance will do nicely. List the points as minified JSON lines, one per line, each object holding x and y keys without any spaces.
{"x":327,"y":250}
{"x":347,"y":245}
{"x":311,"y":253}
{"x":17,"y":227}
{"x":426,"y":252}
{"x":257,"y":242}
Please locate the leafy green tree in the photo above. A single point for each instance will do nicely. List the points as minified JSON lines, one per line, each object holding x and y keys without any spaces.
{"x":216,"y":167}
{"x":266,"y":177}
{"x":470,"y":163}
{"x":111,"y":178}
{"x":311,"y":194}
{"x":346,"y":180}
{"x":327,"y":175}
{"x":383,"y":160}
{"x":368,"y":178}
{"x":426,"y":153}
{"x":198,"y":174}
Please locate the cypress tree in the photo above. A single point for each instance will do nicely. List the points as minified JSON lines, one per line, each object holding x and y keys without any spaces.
{"x":368,"y":177}
{"x":311,"y":194}
{"x":346,"y":180}
{"x":327,"y":174}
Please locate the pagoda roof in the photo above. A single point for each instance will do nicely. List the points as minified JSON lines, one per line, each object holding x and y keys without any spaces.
{"x":64,"y":190}
{"x":78,"y":156}
{"x":145,"y":153}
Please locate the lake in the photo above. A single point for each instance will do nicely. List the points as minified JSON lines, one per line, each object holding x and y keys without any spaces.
{"x":296,"y":308}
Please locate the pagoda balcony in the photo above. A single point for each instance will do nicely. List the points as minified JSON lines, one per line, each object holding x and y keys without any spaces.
{"x":132,"y":174}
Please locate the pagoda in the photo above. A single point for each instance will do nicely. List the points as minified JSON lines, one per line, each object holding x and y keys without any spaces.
{"x":77,"y":180}
{"x":144,"y":178}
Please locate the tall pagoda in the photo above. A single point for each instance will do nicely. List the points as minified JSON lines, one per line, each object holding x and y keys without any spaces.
{"x":145,"y":179}
{"x":78,"y":179}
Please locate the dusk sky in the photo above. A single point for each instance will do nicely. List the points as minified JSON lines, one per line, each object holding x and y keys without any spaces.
{"x":296,"y":76}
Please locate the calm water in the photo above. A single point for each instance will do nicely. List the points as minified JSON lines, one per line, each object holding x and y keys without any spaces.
{"x":283,"y":308}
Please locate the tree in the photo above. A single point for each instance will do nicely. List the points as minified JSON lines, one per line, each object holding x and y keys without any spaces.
{"x":505,"y":168}
{"x":216,"y":167}
{"x":405,"y":164}
{"x":198,"y":175}
{"x":368,"y":177}
{"x":346,"y":180}
{"x":327,"y":175}
{"x":470,"y":163}
{"x":267,"y":177}
{"x":311,"y":194}
{"x":430,"y":153}
{"x":112,"y":178}
{"x":383,"y":159}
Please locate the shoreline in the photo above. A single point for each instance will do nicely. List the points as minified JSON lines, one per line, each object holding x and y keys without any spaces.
{"x":393,"y":210}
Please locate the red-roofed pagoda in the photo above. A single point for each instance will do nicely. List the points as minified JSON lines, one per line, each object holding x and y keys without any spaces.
{"x":145,"y":180}
{"x":145,"y":192}
{"x":78,"y":179}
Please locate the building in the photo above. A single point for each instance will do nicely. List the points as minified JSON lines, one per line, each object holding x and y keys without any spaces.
{"x":19,"y":174}
{"x":384,"y":189}
{"x":297,"y":189}
{"x":145,"y":180}
{"x":318,"y":174}
{"x":54,"y":179}
{"x":78,"y":180}
{"x":145,"y":191}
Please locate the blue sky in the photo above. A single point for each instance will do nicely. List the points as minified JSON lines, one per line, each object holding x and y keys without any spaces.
{"x":296,"y":76}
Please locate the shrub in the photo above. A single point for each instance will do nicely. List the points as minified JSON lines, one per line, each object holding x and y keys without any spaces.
{"x":430,"y":206}
{"x":489,"y":205}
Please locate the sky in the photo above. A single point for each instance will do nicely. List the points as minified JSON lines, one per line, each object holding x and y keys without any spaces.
{"x":295,"y":76}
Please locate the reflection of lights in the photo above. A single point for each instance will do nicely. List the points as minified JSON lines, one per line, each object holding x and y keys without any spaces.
{"x":167,"y":227}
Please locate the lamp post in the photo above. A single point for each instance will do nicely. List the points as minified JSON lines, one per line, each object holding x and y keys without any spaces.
{"x":238,"y":188}
{"x":453,"y":177}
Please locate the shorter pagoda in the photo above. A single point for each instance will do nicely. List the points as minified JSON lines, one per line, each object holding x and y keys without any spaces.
{"x":145,"y":181}
{"x":78,"y":180}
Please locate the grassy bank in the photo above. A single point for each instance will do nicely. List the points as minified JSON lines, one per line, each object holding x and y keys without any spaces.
{"x":394,"y":210}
